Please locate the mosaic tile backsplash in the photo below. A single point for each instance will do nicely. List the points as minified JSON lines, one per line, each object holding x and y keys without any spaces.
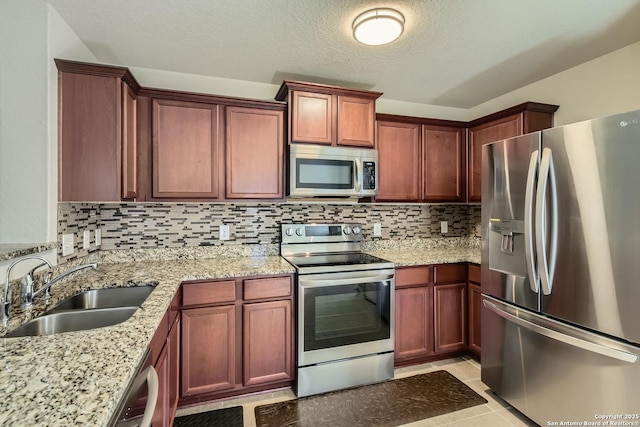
{"x":178,"y":225}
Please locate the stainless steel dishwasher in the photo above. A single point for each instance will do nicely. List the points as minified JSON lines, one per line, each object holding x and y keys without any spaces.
{"x":142,"y":393}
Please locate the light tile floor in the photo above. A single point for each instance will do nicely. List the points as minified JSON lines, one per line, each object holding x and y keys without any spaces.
{"x":495,"y":413}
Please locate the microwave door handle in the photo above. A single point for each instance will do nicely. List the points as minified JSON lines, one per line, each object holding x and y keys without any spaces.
{"x":357,"y":178}
{"x":313,"y":283}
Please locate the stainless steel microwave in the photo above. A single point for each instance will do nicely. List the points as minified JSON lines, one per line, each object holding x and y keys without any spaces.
{"x":321,"y":171}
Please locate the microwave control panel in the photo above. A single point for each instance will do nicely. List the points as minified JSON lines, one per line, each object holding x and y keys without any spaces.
{"x":369,"y":176}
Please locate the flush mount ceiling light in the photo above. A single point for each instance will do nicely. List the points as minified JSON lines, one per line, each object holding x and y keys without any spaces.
{"x":378,"y":26}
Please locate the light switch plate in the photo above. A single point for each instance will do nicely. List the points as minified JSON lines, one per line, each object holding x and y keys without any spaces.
{"x":444,"y":227}
{"x":377,"y":229}
{"x":86,"y":239}
{"x":224,"y":232}
{"x":98,"y":237}
{"x":67,"y":244}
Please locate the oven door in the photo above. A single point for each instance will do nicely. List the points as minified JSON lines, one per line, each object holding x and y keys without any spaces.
{"x":345,"y":315}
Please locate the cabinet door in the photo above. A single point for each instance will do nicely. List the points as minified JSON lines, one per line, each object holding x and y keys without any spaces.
{"x":185,"y":157}
{"x":414,"y":329}
{"x":267,"y":342}
{"x":312,"y":118}
{"x":129,"y":143}
{"x":444,"y":164}
{"x":483,"y":134}
{"x":475,"y":335}
{"x":399,"y":161}
{"x":254,"y":153}
{"x":160,"y":414}
{"x":450,"y":317}
{"x":173,"y":392}
{"x":356,"y":121}
{"x":89,"y":145}
{"x":208,"y":349}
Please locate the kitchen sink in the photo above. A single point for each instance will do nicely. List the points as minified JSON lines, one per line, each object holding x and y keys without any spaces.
{"x":74,"y":320}
{"x":105,"y":298}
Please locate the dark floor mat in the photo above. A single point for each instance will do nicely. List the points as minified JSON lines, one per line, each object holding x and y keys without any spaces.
{"x":225,"y":417}
{"x":387,"y":404}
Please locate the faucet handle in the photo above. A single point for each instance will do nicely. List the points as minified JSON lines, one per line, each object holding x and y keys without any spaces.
{"x":27,"y":286}
{"x":47,"y":279}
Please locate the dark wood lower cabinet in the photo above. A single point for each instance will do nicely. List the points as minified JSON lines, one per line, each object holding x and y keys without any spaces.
{"x":432,"y":320}
{"x":208,"y":349}
{"x":414,"y":329}
{"x":450,"y":317}
{"x":240,"y":342}
{"x":475,"y":309}
{"x":166,"y":361}
{"x":267,"y":342}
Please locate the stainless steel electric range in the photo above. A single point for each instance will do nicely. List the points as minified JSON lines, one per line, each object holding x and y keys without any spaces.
{"x":345,"y":315}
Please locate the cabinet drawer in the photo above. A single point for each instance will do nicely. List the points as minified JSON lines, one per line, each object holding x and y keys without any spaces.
{"x":412,"y":276}
{"x":474,"y":273}
{"x":449,"y":273}
{"x":267,"y":288}
{"x":208,"y":292}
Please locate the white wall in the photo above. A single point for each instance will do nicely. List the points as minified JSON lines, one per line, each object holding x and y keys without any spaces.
{"x":23,"y":121}
{"x":601,"y":87}
{"x":31,"y":34}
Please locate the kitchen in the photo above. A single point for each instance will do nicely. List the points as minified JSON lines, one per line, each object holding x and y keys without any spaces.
{"x":37,"y":222}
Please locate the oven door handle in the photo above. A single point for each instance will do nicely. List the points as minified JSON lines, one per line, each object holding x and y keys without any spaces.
{"x":312,"y":283}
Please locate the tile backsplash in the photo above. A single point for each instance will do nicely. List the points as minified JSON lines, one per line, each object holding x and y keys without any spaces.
{"x":178,"y":225}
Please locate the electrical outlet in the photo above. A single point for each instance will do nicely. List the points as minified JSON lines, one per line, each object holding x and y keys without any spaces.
{"x":98,"y":237}
{"x":444,"y":227}
{"x":224,"y":232}
{"x":67,"y":244}
{"x":377,"y":229}
{"x":86,"y":239}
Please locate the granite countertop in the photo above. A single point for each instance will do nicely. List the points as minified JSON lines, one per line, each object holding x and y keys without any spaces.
{"x":15,"y":250}
{"x":424,"y":256}
{"x":78,"y":378}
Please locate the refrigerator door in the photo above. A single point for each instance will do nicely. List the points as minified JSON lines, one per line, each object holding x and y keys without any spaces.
{"x":552,"y":372}
{"x":509,"y":170}
{"x":589,"y":249}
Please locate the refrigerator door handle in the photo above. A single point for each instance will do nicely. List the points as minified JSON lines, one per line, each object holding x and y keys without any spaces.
{"x":534,"y":278}
{"x":567,"y":339}
{"x":546,"y":181}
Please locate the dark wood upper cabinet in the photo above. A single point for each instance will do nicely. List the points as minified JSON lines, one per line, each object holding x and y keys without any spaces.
{"x":399,"y":161}
{"x":96,"y":132}
{"x":254,"y":148}
{"x":331,"y":115}
{"x":186,"y":155}
{"x":445,"y":168}
{"x":514,"y":121}
{"x":356,"y":121}
{"x":312,"y":117}
{"x":421,"y":162}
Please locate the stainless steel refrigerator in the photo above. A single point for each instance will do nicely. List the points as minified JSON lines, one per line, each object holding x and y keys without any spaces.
{"x":561,"y":272}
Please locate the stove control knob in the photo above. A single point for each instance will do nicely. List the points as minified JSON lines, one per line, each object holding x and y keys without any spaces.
{"x":299,"y":231}
{"x":356,"y":230}
{"x":347,"y":230}
{"x":289,"y":231}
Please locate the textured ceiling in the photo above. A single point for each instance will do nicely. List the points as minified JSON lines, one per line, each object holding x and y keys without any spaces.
{"x":456,"y":53}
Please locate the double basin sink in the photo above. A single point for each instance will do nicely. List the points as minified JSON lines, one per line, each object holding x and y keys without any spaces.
{"x":91,"y":309}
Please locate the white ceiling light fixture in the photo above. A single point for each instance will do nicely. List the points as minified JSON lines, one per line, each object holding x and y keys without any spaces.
{"x":378,"y":26}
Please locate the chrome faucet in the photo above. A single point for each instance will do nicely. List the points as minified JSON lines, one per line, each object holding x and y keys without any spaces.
{"x":27,"y":285}
{"x":48,"y":281}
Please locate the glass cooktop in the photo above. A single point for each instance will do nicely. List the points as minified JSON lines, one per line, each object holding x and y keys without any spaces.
{"x":337,"y":262}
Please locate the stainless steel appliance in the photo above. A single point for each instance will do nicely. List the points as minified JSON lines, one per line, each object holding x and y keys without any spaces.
{"x":321,"y":171}
{"x":560,"y":263}
{"x":345,"y":315}
{"x":138,"y":405}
